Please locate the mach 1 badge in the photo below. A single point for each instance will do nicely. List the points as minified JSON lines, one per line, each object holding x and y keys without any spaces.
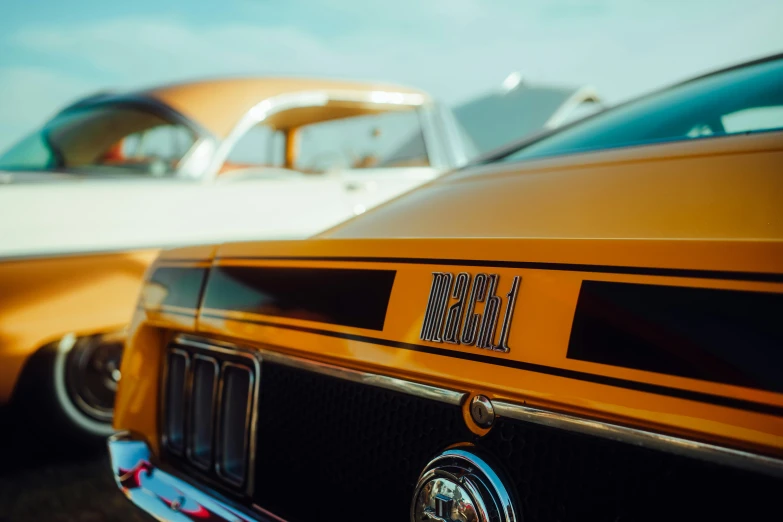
{"x":458,"y":322}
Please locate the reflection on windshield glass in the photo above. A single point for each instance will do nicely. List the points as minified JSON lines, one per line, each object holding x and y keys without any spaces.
{"x":110,"y":137}
{"x":748,"y":99}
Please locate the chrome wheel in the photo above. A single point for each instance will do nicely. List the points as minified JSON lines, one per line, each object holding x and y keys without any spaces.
{"x":92,"y":372}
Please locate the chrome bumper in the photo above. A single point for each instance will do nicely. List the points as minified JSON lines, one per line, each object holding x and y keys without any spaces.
{"x":161,"y":494}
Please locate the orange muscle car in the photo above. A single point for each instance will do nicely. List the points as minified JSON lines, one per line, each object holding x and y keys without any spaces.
{"x":585,"y":326}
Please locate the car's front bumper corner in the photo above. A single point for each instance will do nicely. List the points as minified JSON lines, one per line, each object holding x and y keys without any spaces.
{"x":163,"y":495}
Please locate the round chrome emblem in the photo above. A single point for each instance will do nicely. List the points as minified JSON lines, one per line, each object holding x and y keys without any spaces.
{"x":459,"y":486}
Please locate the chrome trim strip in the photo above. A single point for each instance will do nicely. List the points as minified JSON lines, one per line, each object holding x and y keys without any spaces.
{"x":416,"y":389}
{"x":458,"y":156}
{"x":424,"y":391}
{"x":164,"y":495}
{"x":657,"y":441}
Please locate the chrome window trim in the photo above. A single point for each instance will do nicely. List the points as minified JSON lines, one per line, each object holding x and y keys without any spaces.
{"x":455,"y":144}
{"x":164,"y":439}
{"x":437,"y":155}
{"x":250,"y":410}
{"x":658,"y":441}
{"x":314,"y":98}
{"x":191,"y":429}
{"x":196,"y":161}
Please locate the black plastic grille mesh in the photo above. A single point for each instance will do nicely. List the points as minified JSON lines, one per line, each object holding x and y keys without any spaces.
{"x":563,"y":476}
{"x":330,"y":449}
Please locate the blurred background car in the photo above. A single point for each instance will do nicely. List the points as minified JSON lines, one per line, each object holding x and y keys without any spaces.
{"x":275,"y":157}
{"x":519,"y":109}
{"x":113,"y":177}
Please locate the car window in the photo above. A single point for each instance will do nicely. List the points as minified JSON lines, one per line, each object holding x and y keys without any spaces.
{"x":164,"y":141}
{"x":370,"y":141}
{"x":105,"y":139}
{"x":755,"y":119}
{"x":261,"y":146}
{"x":741,"y":100}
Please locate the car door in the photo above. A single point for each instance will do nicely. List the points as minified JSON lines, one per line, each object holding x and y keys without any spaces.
{"x":273,"y":203}
{"x":257,"y":197}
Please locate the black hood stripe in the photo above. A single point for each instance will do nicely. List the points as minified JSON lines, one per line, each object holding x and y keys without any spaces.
{"x":345,"y":297}
{"x":724,"y":336}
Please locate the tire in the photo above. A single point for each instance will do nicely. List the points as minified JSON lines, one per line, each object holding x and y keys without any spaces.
{"x":53,"y":393}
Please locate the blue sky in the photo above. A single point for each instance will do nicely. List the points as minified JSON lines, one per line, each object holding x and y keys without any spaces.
{"x":54,"y":51}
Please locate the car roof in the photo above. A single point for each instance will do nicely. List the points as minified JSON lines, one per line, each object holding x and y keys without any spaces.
{"x":218,"y":104}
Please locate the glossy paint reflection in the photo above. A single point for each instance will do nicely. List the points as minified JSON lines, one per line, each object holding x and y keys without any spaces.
{"x":160,"y":494}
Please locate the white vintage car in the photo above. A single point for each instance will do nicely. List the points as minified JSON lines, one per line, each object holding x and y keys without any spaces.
{"x":87,"y":201}
{"x":219,"y":160}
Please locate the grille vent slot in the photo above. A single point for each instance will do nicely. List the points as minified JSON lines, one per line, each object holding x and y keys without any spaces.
{"x":234,"y":414}
{"x":202,"y":410}
{"x":207,"y":410}
{"x":179,"y":366}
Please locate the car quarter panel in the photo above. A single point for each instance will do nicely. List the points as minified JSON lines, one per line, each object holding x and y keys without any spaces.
{"x":388,"y":283}
{"x":45,"y":298}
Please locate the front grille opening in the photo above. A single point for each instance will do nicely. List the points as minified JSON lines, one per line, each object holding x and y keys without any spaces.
{"x":178,"y":364}
{"x":335,"y":439}
{"x":205,"y":380}
{"x":235,"y":417}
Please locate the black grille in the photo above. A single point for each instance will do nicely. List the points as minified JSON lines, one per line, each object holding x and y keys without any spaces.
{"x":338,"y":450}
{"x":564,"y":476}
{"x":331,"y":449}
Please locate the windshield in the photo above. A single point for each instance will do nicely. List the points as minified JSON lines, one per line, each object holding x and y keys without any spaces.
{"x":742,"y":100}
{"x":101,"y":140}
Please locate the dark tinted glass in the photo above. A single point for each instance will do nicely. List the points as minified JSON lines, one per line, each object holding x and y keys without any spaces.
{"x":747,"y":99}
